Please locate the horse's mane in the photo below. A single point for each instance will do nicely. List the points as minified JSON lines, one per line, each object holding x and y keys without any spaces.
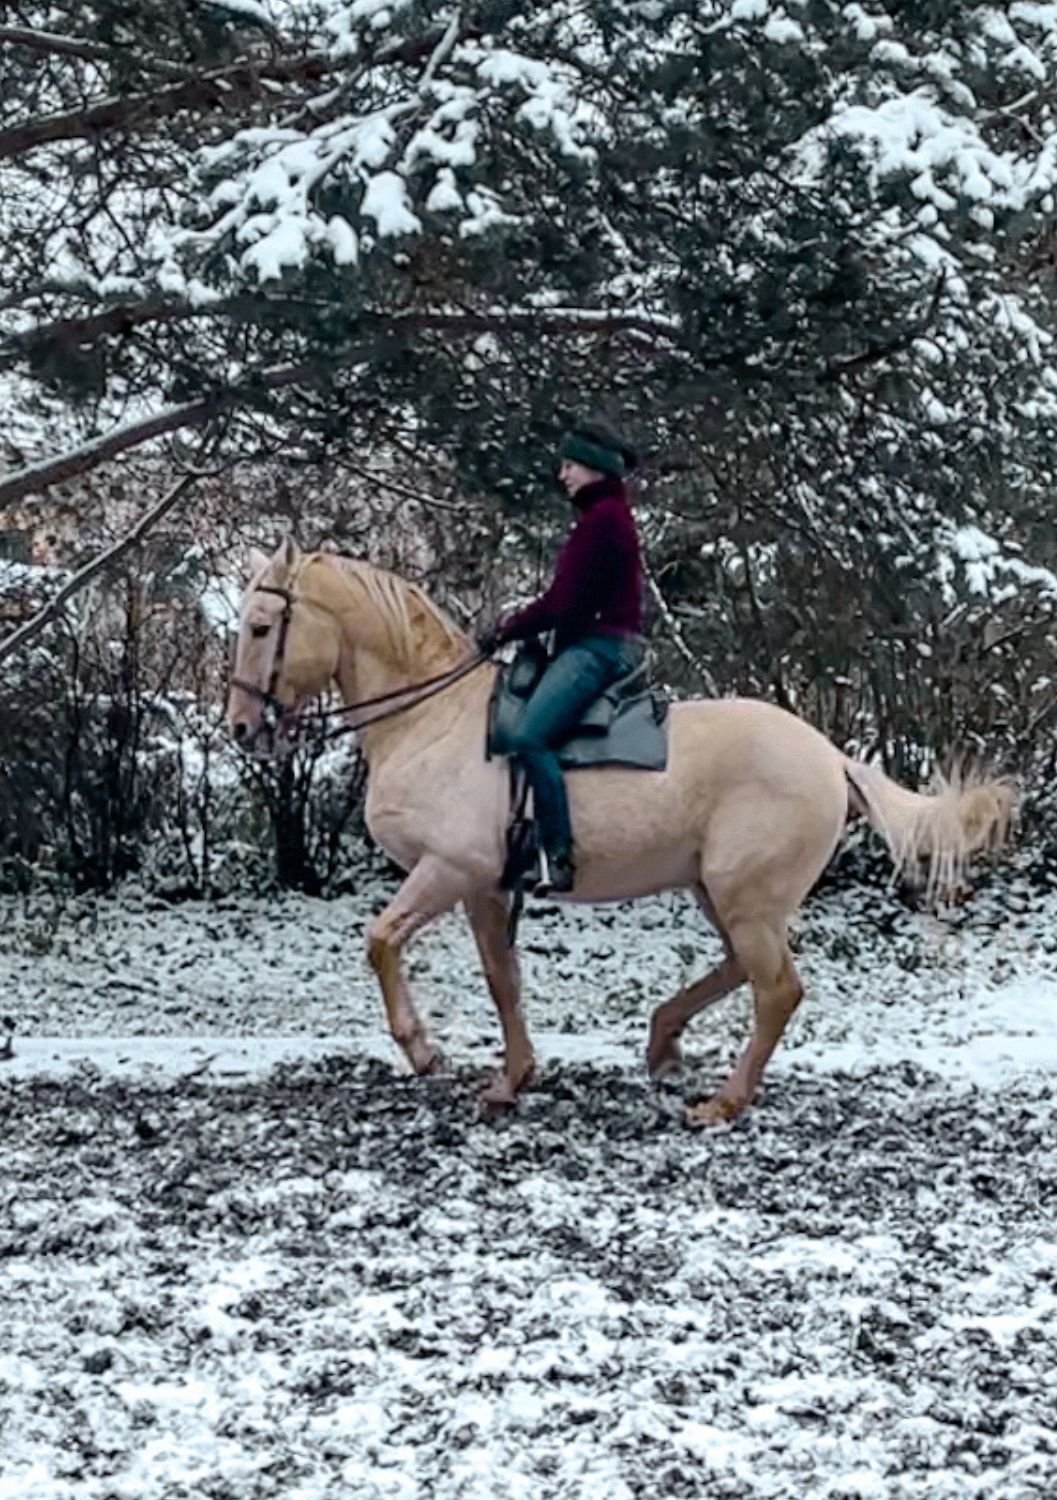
{"x":415,"y":624}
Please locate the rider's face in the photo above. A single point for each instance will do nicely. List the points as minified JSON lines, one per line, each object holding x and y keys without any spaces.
{"x":572,"y":476}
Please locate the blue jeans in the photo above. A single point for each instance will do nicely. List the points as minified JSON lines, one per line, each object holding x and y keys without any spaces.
{"x":572,"y":681}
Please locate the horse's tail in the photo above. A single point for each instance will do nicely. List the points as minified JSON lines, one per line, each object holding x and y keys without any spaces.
{"x":941,"y":830}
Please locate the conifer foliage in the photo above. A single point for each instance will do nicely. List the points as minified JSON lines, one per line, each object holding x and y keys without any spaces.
{"x":803,"y":250}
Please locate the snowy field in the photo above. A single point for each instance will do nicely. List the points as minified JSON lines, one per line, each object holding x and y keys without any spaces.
{"x":243,"y":1255}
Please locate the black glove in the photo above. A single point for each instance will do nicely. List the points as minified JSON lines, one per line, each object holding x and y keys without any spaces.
{"x":489,"y":641}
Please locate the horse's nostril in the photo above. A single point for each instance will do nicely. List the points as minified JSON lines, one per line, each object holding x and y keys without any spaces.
{"x":239,"y":730}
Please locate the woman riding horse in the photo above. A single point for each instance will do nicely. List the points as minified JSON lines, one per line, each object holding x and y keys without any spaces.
{"x":594,"y":607}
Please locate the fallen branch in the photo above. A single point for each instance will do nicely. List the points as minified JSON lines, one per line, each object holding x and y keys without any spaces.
{"x":50,"y":611}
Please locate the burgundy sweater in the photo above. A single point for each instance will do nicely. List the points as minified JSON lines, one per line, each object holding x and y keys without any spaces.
{"x":597,"y":583}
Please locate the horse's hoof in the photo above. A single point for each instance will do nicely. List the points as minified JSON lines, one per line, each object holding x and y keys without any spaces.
{"x":718,"y":1110}
{"x":425,"y":1058}
{"x":498,"y":1095}
{"x":662,"y":1062}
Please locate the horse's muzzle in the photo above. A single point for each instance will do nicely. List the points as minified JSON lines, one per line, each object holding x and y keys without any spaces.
{"x":271,"y":735}
{"x":255,"y":740}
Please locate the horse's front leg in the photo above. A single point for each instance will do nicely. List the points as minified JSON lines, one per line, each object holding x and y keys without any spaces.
{"x":431,"y":888}
{"x":488,"y":914}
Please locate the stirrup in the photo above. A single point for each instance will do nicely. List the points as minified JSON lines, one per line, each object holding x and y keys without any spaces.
{"x":561,"y":877}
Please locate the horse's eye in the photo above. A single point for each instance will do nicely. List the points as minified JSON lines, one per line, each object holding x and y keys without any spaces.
{"x":260,"y":631}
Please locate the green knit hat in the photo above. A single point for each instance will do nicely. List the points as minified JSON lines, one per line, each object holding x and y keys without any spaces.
{"x":597,"y":446}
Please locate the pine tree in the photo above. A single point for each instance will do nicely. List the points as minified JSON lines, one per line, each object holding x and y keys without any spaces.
{"x":800,"y":250}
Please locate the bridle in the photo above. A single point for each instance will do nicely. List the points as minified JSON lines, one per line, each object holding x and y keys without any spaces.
{"x":274,"y":709}
{"x":277,"y":711}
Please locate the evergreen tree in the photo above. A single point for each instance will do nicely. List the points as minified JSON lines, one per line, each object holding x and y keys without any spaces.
{"x":801,"y":249}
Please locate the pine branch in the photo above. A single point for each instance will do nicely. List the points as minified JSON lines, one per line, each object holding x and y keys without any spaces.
{"x":221,"y":90}
{"x":119,"y":319}
{"x":835,"y":369}
{"x":38,"y":478}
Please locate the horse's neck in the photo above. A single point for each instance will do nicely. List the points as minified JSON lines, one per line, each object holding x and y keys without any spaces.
{"x":379,"y":657}
{"x":397,"y":730}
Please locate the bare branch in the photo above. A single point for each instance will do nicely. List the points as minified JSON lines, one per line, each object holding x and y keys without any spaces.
{"x":678,"y":639}
{"x":121,"y":318}
{"x":218,"y":90}
{"x":50,"y":611}
{"x":47,"y":41}
{"x":40,"y":477}
{"x":406,"y":492}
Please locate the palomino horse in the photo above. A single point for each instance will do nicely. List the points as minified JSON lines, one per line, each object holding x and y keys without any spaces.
{"x":751,"y":808}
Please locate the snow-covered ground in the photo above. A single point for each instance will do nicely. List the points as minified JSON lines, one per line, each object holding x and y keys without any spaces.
{"x":243,"y":1255}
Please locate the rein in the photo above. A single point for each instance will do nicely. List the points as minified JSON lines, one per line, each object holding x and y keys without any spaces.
{"x":428,"y":688}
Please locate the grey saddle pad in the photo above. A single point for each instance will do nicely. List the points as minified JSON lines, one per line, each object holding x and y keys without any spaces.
{"x":626,"y":726}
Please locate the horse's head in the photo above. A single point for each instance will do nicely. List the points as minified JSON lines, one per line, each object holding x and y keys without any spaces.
{"x":286,"y":653}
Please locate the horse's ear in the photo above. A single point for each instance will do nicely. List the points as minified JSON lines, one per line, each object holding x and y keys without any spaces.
{"x":256,"y":562}
{"x":287,"y":554}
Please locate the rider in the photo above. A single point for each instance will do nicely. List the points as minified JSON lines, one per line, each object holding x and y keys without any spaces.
{"x":594,"y":606}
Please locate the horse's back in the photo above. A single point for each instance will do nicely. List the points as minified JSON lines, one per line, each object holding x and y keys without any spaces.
{"x":748,"y":787}
{"x":721,"y":751}
{"x":750,"y":734}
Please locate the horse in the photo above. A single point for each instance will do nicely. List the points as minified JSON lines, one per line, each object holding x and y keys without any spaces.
{"x":748,"y":813}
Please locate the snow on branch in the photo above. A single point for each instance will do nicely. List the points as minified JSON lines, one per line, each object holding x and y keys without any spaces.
{"x":383,"y":146}
{"x":49,"y":42}
{"x":986,"y":568}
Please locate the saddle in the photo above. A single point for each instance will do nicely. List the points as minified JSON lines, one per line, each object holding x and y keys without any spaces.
{"x":625,"y":726}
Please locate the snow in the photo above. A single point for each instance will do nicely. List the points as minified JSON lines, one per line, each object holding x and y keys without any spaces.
{"x":28,"y":578}
{"x":749,"y":10}
{"x":989,"y":570}
{"x":911,"y":133}
{"x":386,"y":202}
{"x":344,"y":241}
{"x":247,"y":1255}
{"x":444,"y":196}
{"x":866,"y":26}
{"x":251,"y":9}
{"x":781,"y":28}
{"x":1005,"y":1033}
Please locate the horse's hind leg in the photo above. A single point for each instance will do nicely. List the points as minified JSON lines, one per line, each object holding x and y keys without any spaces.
{"x":488,"y":916}
{"x":431,"y":888}
{"x":669,"y":1021}
{"x":663,"y":1053}
{"x":761,"y":948}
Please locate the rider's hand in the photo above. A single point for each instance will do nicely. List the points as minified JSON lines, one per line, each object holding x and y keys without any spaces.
{"x":489,"y":641}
